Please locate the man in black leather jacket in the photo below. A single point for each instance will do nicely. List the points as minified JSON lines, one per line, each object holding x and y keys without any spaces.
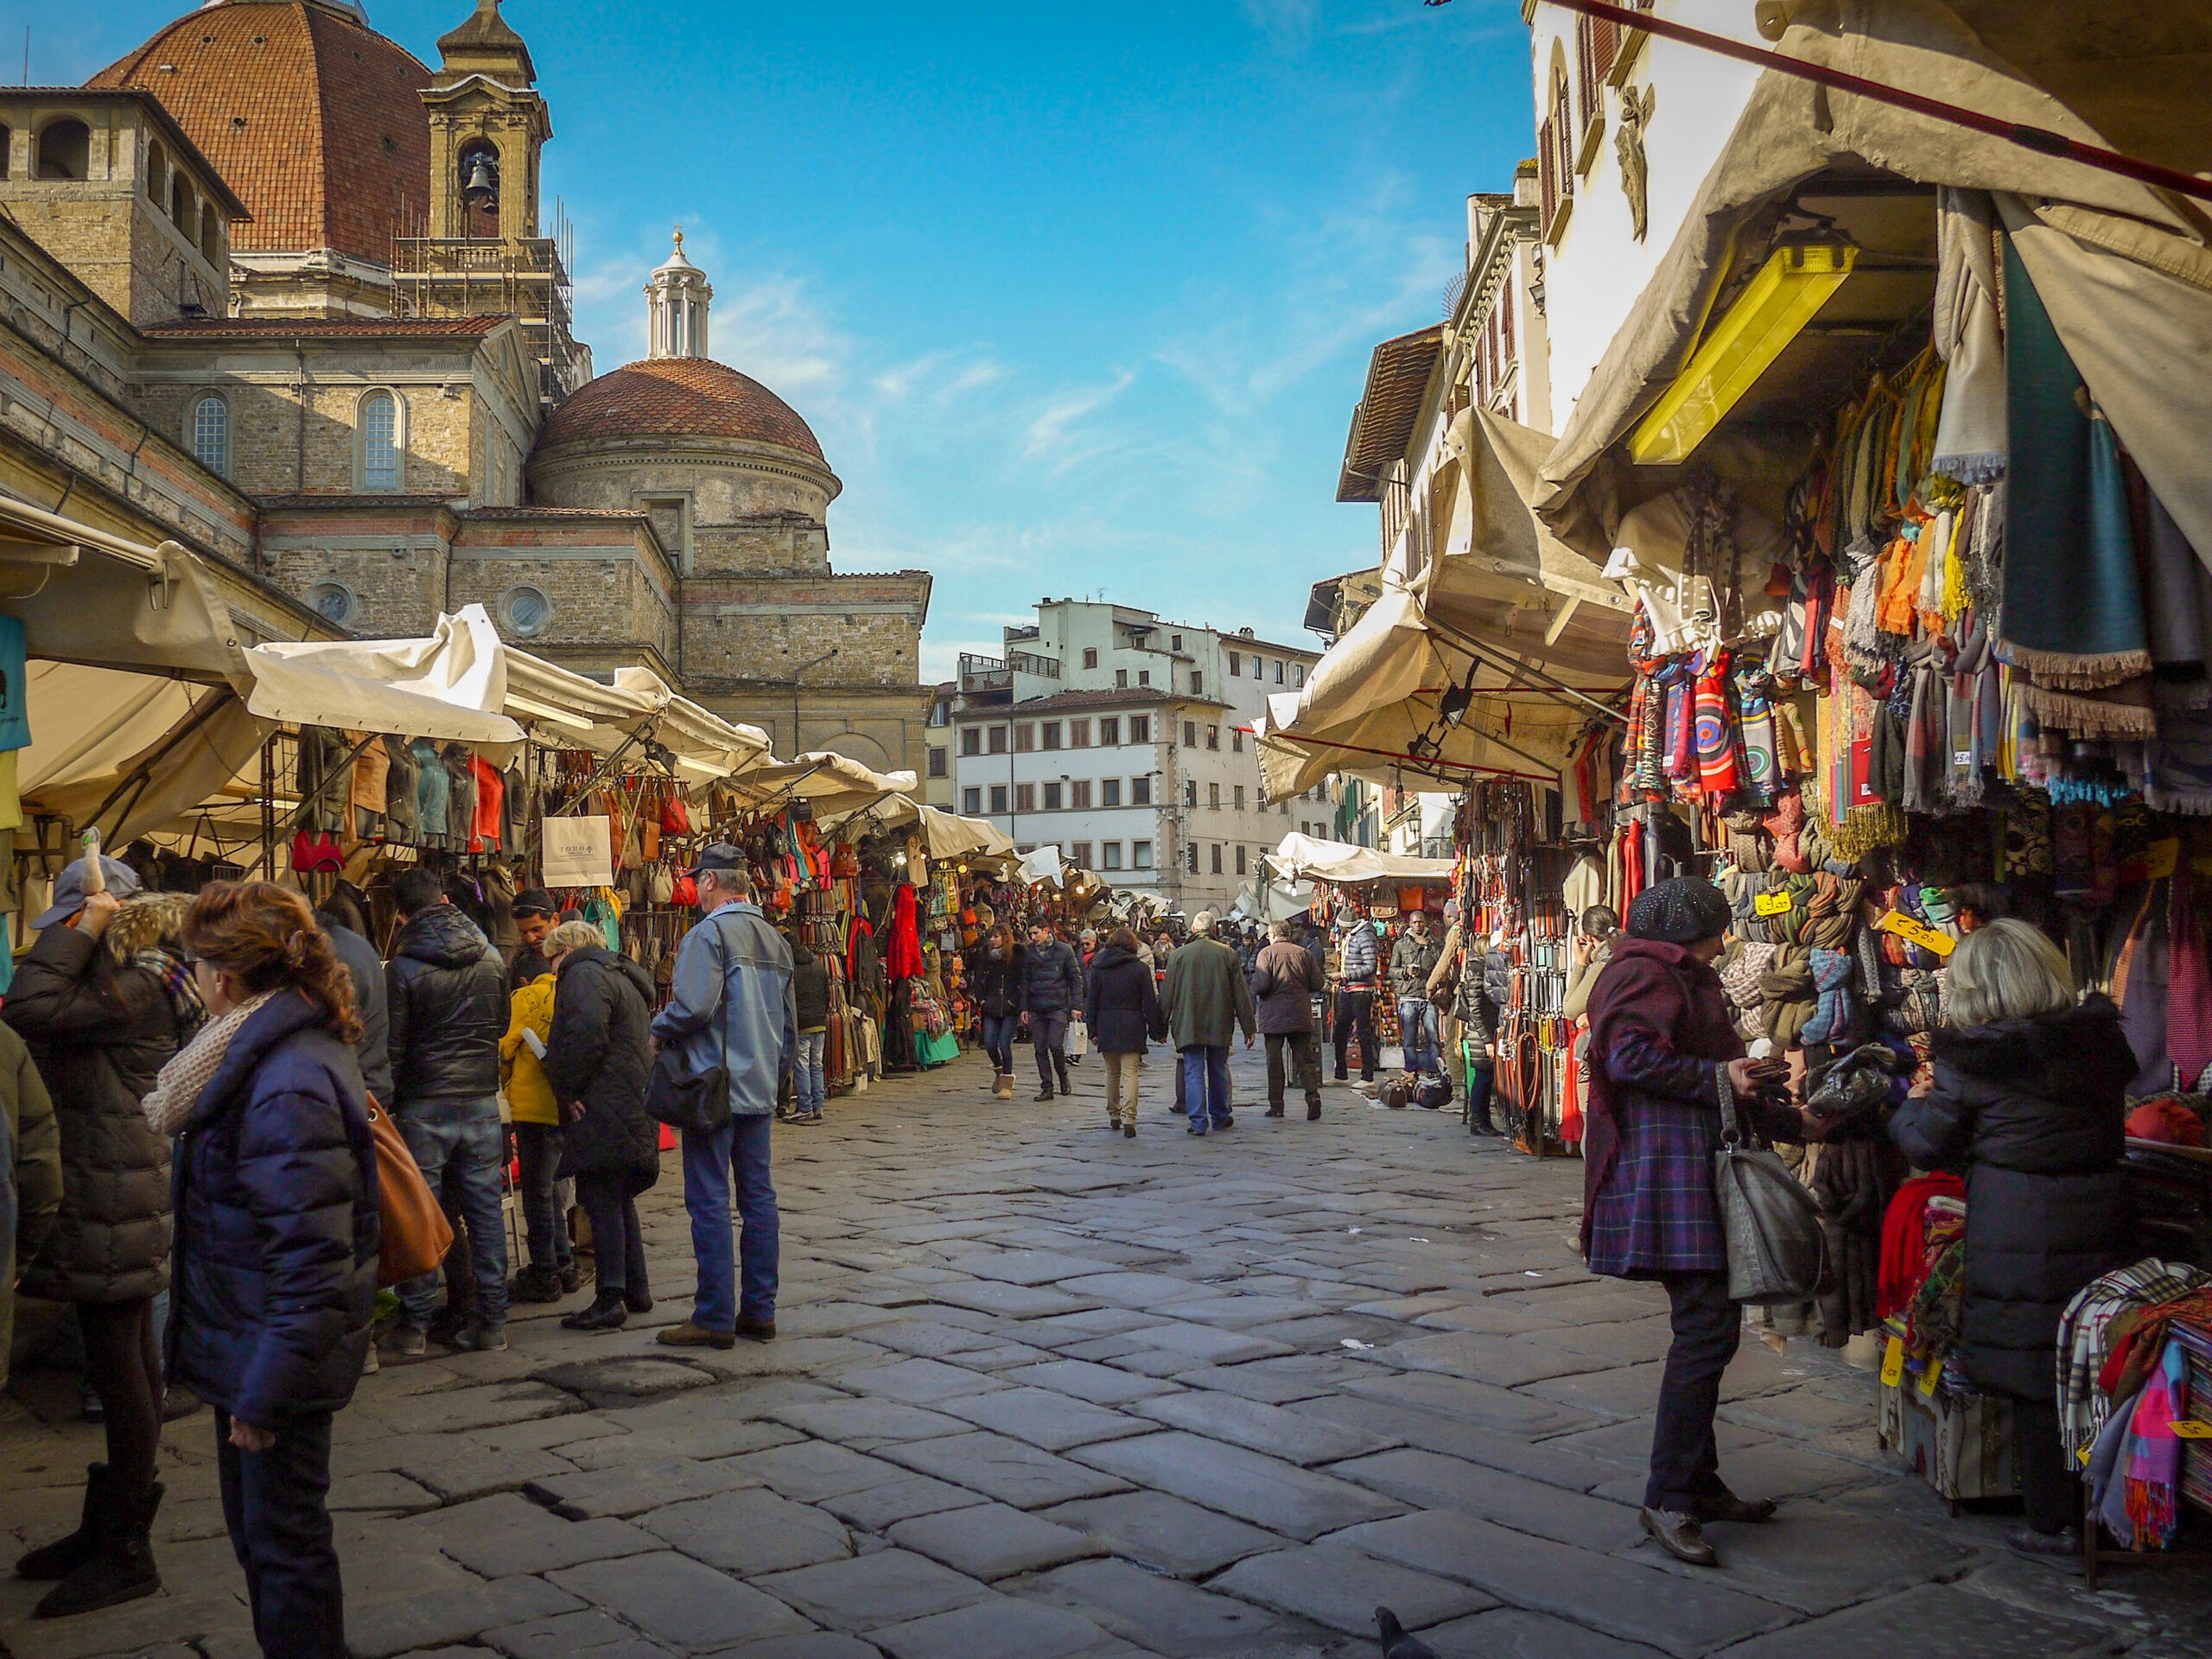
{"x":446,"y":998}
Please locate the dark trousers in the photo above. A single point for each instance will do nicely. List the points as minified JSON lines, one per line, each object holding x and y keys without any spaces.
{"x":1302,"y":1056}
{"x":280,"y":1529}
{"x":537,"y":1146}
{"x":1479,"y":1078}
{"x":1356,"y":1012}
{"x":998,"y":1040}
{"x":617,"y":1246}
{"x":123,"y":1363}
{"x":1684,"y":1459}
{"x":2049,"y":1490}
{"x":1049,"y":1033}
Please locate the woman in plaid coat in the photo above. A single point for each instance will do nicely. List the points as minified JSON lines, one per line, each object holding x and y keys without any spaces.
{"x":1664,"y":1051}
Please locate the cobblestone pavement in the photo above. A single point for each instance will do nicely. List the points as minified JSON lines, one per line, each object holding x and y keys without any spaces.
{"x":1044,"y":1391}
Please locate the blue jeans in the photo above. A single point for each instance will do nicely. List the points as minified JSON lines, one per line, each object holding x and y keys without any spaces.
{"x":274,"y":1504}
{"x":1415,"y":1035}
{"x":739,"y":1149}
{"x":806,"y":1070}
{"x":998,"y":1033}
{"x":1206,"y":1085}
{"x":461,"y":1141}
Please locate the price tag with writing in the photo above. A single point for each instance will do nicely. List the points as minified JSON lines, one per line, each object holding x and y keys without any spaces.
{"x":2193,"y":1428}
{"x":1893,"y":1362}
{"x":1930,"y":1377}
{"x":1913,"y":931}
{"x":1770,"y":904}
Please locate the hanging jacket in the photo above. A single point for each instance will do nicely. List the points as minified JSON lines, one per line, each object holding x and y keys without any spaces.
{"x":446,"y":998}
{"x":277,"y":1230}
{"x":2032,"y":1111}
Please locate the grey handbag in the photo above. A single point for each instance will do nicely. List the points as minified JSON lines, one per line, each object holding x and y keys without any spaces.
{"x":1771,"y":1224}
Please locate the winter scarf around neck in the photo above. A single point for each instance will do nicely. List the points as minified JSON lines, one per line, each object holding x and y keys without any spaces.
{"x":167,"y":964}
{"x":176,"y":1091}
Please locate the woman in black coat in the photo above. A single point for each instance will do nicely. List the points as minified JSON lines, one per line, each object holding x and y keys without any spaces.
{"x":102,"y":1000}
{"x":598,"y":1059}
{"x":1001,"y":968}
{"x":2029,"y":1102}
{"x":1120,"y":1005}
{"x":277,"y":1240}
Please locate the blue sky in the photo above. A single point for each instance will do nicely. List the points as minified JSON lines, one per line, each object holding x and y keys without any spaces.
{"x":1076,"y":297}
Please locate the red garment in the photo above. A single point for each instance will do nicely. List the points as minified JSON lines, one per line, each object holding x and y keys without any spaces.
{"x":903,"y":959}
{"x":1905,"y":1241}
{"x":491,"y":800}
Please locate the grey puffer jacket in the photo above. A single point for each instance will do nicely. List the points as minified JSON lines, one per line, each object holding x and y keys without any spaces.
{"x":1360,"y":956}
{"x":99,"y":1033}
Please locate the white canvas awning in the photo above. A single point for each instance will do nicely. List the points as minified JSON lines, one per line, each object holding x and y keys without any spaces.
{"x":2122,"y":269}
{"x":1312,"y":859}
{"x":837,"y":784}
{"x":944,"y":835}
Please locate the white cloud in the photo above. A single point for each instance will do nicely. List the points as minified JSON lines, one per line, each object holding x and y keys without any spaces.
{"x":1056,"y":434}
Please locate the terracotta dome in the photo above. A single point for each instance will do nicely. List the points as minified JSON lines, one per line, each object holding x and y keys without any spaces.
{"x":312,"y":117}
{"x":679,"y":396}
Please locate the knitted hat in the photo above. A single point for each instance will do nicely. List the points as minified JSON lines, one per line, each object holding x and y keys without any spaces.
{"x":1681,"y":912}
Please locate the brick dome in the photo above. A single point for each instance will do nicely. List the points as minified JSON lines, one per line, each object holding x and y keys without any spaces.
{"x":679,"y":396}
{"x":312,"y":117}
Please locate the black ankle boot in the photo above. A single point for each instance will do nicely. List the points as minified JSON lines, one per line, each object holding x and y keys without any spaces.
{"x":119,"y":1566}
{"x":51,"y":1563}
{"x":606,"y":1313}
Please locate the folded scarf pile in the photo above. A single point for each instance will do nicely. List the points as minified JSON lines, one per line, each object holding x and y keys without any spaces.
{"x":2083,"y":1330}
{"x":1932,"y":1320}
{"x":1905,"y":1263}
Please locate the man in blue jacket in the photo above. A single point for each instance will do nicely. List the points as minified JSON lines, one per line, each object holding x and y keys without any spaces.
{"x":731,"y":1005}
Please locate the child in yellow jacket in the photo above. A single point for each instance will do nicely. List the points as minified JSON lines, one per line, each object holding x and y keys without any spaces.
{"x":552,"y":1272}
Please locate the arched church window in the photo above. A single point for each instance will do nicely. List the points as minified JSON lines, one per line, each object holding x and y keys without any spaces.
{"x":379,"y":442}
{"x":157,"y":173}
{"x":211,"y":234}
{"x":211,"y":433}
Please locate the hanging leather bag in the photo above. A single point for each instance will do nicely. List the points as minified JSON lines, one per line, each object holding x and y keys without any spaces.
{"x":1770,"y":1223}
{"x":416,"y":1234}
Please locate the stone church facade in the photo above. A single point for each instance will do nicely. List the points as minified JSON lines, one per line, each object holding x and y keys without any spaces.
{"x":308,"y":282}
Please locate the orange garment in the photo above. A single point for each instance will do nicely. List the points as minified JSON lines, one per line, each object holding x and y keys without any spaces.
{"x":371,"y":767}
{"x":491,"y":799}
{"x":1903,"y":564}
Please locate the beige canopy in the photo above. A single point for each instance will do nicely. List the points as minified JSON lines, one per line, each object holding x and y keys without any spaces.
{"x":1372,"y":708}
{"x":837,"y":784}
{"x":1309,"y":858}
{"x":944,"y":835}
{"x":2121,"y":267}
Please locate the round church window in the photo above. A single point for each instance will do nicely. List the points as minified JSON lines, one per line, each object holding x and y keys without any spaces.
{"x":334,"y":603}
{"x":525,"y":610}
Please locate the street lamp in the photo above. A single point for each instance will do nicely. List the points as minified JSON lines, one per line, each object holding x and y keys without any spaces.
{"x":796,"y":675}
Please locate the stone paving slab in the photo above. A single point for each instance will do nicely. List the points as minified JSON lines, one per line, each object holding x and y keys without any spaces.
{"x":917,"y":1381}
{"x":749,"y":1531}
{"x":993,"y":1541}
{"x":1257,"y":1428}
{"x":1943,"y":1619}
{"x":1001,"y":1630}
{"x":1007,"y":1470}
{"x":1538,"y":1460}
{"x":1279,"y":1496}
{"x":543,"y":1548}
{"x":1054,"y":1422}
{"x":1341,"y":1588}
{"x":876,"y":1508}
{"x":379,"y":1631}
{"x":1510,"y":1633}
{"x":1684,"y":1617}
{"x":633,"y":1488}
{"x":1164,"y":1534}
{"x":1163,"y":1616}
{"x":684,"y":1602}
{"x":890,"y":1587}
{"x":1430,"y":1480}
{"x":568,"y":1635}
{"x":863,"y":1424}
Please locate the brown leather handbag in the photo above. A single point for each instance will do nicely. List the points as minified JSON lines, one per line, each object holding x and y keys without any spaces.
{"x":416,"y":1233}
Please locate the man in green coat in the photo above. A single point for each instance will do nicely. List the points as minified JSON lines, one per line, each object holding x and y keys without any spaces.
{"x":1205,"y":999}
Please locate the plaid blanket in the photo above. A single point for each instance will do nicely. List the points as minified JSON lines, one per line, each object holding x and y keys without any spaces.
{"x":2082,"y":1332}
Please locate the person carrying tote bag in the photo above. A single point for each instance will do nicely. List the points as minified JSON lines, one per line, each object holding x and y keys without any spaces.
{"x":1664,"y":1056}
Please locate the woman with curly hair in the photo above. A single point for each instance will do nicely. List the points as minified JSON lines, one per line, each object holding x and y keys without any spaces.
{"x":276,"y":1238}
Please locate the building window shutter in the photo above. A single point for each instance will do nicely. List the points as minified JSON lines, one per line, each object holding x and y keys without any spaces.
{"x":1547,"y":175}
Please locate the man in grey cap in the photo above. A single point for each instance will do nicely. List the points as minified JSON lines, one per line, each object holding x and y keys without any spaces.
{"x":731,"y":1004}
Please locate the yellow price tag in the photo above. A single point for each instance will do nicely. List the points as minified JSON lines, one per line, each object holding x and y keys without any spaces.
{"x":1918,"y":932}
{"x":1930,"y":1377}
{"x":2162,"y":858}
{"x":2193,"y":1428}
{"x":1893,"y":1362}
{"x":1770,"y":904}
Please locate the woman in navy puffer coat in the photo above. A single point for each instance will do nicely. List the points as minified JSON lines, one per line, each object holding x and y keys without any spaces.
{"x":275,"y":1274}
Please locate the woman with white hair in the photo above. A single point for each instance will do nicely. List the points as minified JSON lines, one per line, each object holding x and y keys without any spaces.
{"x":2029,"y":1102}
